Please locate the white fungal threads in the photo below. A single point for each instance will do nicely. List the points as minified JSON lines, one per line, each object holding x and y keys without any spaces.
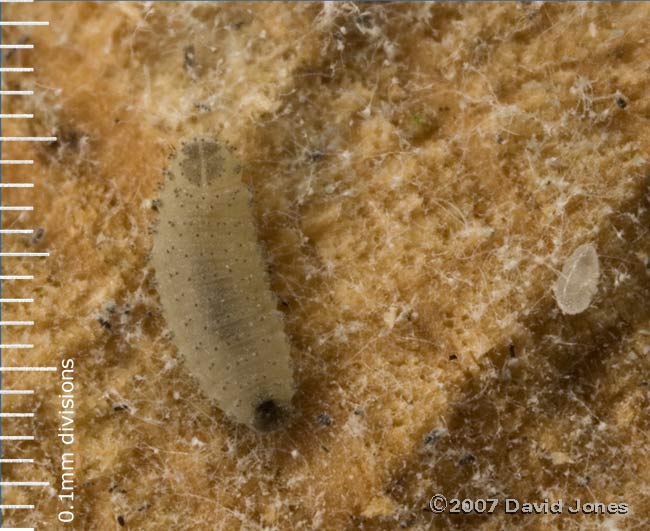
{"x":578,"y":282}
{"x":214,"y":288}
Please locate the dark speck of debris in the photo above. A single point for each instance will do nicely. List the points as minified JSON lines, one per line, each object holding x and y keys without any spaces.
{"x":115,"y":487}
{"x":453,"y":357}
{"x":466,"y":459}
{"x":120,"y":520}
{"x":324,"y":419}
{"x":620,"y":101}
{"x":38,"y":235}
{"x":104,"y":323}
{"x":364,"y":20}
{"x":120,"y":407}
{"x":584,"y":481}
{"x":155,"y":205}
{"x":511,"y":350}
{"x":434,"y":436}
{"x":189,"y":58}
{"x":358,"y":411}
{"x":202,"y":107}
{"x":66,"y":137}
{"x":316,"y":156}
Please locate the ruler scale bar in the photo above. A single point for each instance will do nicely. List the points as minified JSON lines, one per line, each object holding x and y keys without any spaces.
{"x":25,"y":483}
{"x":24,"y":23}
{"x":27,"y":139}
{"x":17,"y":345}
{"x":10,"y":116}
{"x":28,"y":369}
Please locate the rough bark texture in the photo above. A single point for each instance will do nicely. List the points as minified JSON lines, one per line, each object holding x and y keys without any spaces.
{"x":420,"y":173}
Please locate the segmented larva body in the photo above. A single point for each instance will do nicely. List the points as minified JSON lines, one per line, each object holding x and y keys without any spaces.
{"x":214,"y":288}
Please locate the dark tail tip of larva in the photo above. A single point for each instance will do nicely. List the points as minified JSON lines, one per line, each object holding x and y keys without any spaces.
{"x":269,"y":416}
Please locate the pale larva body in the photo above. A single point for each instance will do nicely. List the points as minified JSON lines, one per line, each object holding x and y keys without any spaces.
{"x":214,"y":287}
{"x":578,"y":282}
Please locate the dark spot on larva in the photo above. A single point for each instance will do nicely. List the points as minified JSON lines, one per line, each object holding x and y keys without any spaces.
{"x":620,"y":101}
{"x":120,"y":407}
{"x":268,"y":415}
{"x":121,"y":521}
{"x":203,"y":161}
{"x":453,"y":357}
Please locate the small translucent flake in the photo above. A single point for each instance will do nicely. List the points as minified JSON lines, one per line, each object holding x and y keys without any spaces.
{"x":578,"y":282}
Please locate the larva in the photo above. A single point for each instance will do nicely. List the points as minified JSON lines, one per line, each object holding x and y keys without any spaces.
{"x":578,"y":282}
{"x":214,"y":288}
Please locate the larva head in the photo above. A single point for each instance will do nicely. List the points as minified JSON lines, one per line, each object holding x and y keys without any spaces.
{"x":203,"y":160}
